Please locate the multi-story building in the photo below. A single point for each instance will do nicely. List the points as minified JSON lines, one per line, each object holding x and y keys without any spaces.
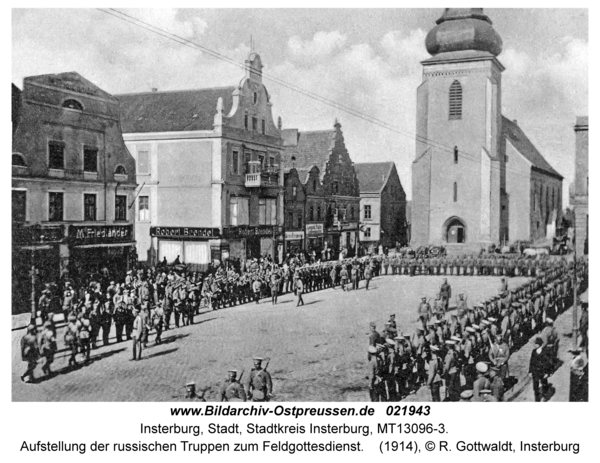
{"x":323,"y":165}
{"x":477,"y":178}
{"x":208,"y":169}
{"x":579,"y":191}
{"x":73,"y":182}
{"x":382,"y":205}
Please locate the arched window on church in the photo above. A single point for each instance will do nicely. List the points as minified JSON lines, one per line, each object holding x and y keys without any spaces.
{"x":455,"y":155}
{"x":455,"y":111}
{"x":455,"y":192}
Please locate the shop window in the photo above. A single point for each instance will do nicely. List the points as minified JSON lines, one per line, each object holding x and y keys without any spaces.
{"x":56,"y":155}
{"x":368,"y":211}
{"x":19,"y":205}
{"x":73,"y":104}
{"x":143,"y":165}
{"x":120,"y":207}
{"x":89,"y":207}
{"x":55,"y":207}
{"x":144,"y":209}
{"x":18,"y":160}
{"x":90,"y":159}
{"x":368,"y":232}
{"x":235,"y":162}
{"x":455,"y":100}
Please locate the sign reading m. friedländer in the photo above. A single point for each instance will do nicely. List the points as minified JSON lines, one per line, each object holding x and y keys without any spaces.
{"x":91,"y":234}
{"x":184,"y":232}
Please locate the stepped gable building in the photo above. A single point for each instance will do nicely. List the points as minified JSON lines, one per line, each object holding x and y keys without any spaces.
{"x":382,"y":204}
{"x":208,"y":169}
{"x":323,"y":165}
{"x":579,"y":192}
{"x":73,"y":181}
{"x":477,"y":179}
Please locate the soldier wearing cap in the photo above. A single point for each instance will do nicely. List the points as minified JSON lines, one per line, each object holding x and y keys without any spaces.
{"x":468,"y":357}
{"x":578,"y":384}
{"x":29,"y":353}
{"x":482,"y":382}
{"x":376,"y":371}
{"x":424,"y":311}
{"x":259,"y":385}
{"x":451,"y":372}
{"x":374,"y":336}
{"x":419,"y":350}
{"x":190,"y":392}
{"x":231,"y":389}
{"x":434,"y":373}
{"x":445,"y":293}
{"x":466,"y":395}
{"x":496,"y":384}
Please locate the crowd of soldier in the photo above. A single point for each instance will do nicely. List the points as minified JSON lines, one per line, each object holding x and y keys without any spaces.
{"x":466,"y":351}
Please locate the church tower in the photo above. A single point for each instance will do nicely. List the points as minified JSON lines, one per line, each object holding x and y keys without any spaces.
{"x":458,"y":175}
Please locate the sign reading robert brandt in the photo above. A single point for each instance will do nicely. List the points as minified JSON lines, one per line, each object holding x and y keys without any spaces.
{"x":100,"y":234}
{"x":184,"y":232}
{"x":265,"y":231}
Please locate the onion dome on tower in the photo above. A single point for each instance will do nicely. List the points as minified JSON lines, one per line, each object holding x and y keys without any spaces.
{"x":463,"y":29}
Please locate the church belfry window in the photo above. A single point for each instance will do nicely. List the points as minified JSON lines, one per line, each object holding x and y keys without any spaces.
{"x":455,"y":155}
{"x":455,"y":192}
{"x":455,"y":111}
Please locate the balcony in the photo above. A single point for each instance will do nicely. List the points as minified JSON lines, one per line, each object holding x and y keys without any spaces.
{"x":261,"y":176}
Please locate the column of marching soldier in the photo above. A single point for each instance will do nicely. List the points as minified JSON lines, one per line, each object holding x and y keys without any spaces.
{"x":466,"y":352}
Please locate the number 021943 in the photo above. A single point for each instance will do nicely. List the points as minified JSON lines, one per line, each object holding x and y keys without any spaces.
{"x":407,"y":410}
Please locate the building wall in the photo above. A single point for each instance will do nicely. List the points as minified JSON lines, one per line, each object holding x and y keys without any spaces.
{"x":580,"y":190}
{"x":393,"y":213}
{"x":374,"y":223}
{"x":544,"y":210}
{"x":518,"y":188}
{"x":435,"y":173}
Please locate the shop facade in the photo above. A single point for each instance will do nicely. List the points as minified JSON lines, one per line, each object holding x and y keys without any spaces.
{"x":196,"y":247}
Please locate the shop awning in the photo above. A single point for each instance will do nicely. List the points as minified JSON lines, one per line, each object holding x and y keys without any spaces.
{"x":106,"y":245}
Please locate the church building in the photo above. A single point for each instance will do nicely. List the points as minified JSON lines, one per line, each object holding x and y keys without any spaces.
{"x":477,"y":178}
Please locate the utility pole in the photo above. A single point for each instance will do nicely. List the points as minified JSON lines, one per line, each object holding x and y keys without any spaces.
{"x":575,"y":288}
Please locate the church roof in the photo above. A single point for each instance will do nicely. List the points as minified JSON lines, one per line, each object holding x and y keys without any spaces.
{"x":461,"y":29}
{"x":309,"y":148}
{"x":512,"y":132}
{"x":373,"y":176}
{"x":172,"y":111}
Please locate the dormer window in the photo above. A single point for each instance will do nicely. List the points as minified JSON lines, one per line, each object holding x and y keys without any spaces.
{"x":120,"y":170}
{"x":73,"y":104}
{"x":18,"y":160}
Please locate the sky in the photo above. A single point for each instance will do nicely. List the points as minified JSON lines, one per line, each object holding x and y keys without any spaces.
{"x":367,"y":59}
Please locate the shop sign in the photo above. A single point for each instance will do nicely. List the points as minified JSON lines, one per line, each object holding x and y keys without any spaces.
{"x":184,"y":232}
{"x":249,"y":232}
{"x":38,"y":235}
{"x":314,"y":229}
{"x":350,"y":226}
{"x":294,"y":235}
{"x":100,"y":234}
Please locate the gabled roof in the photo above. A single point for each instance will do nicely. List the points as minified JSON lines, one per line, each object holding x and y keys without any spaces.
{"x":71,"y":81}
{"x":512,"y":132}
{"x":172,"y":111}
{"x":373,"y":176}
{"x":309,"y":148}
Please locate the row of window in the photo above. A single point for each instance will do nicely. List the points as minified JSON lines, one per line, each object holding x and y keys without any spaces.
{"x":56,"y":202}
{"x":239,"y":211}
{"x":56,"y":158}
{"x":254,"y":120}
